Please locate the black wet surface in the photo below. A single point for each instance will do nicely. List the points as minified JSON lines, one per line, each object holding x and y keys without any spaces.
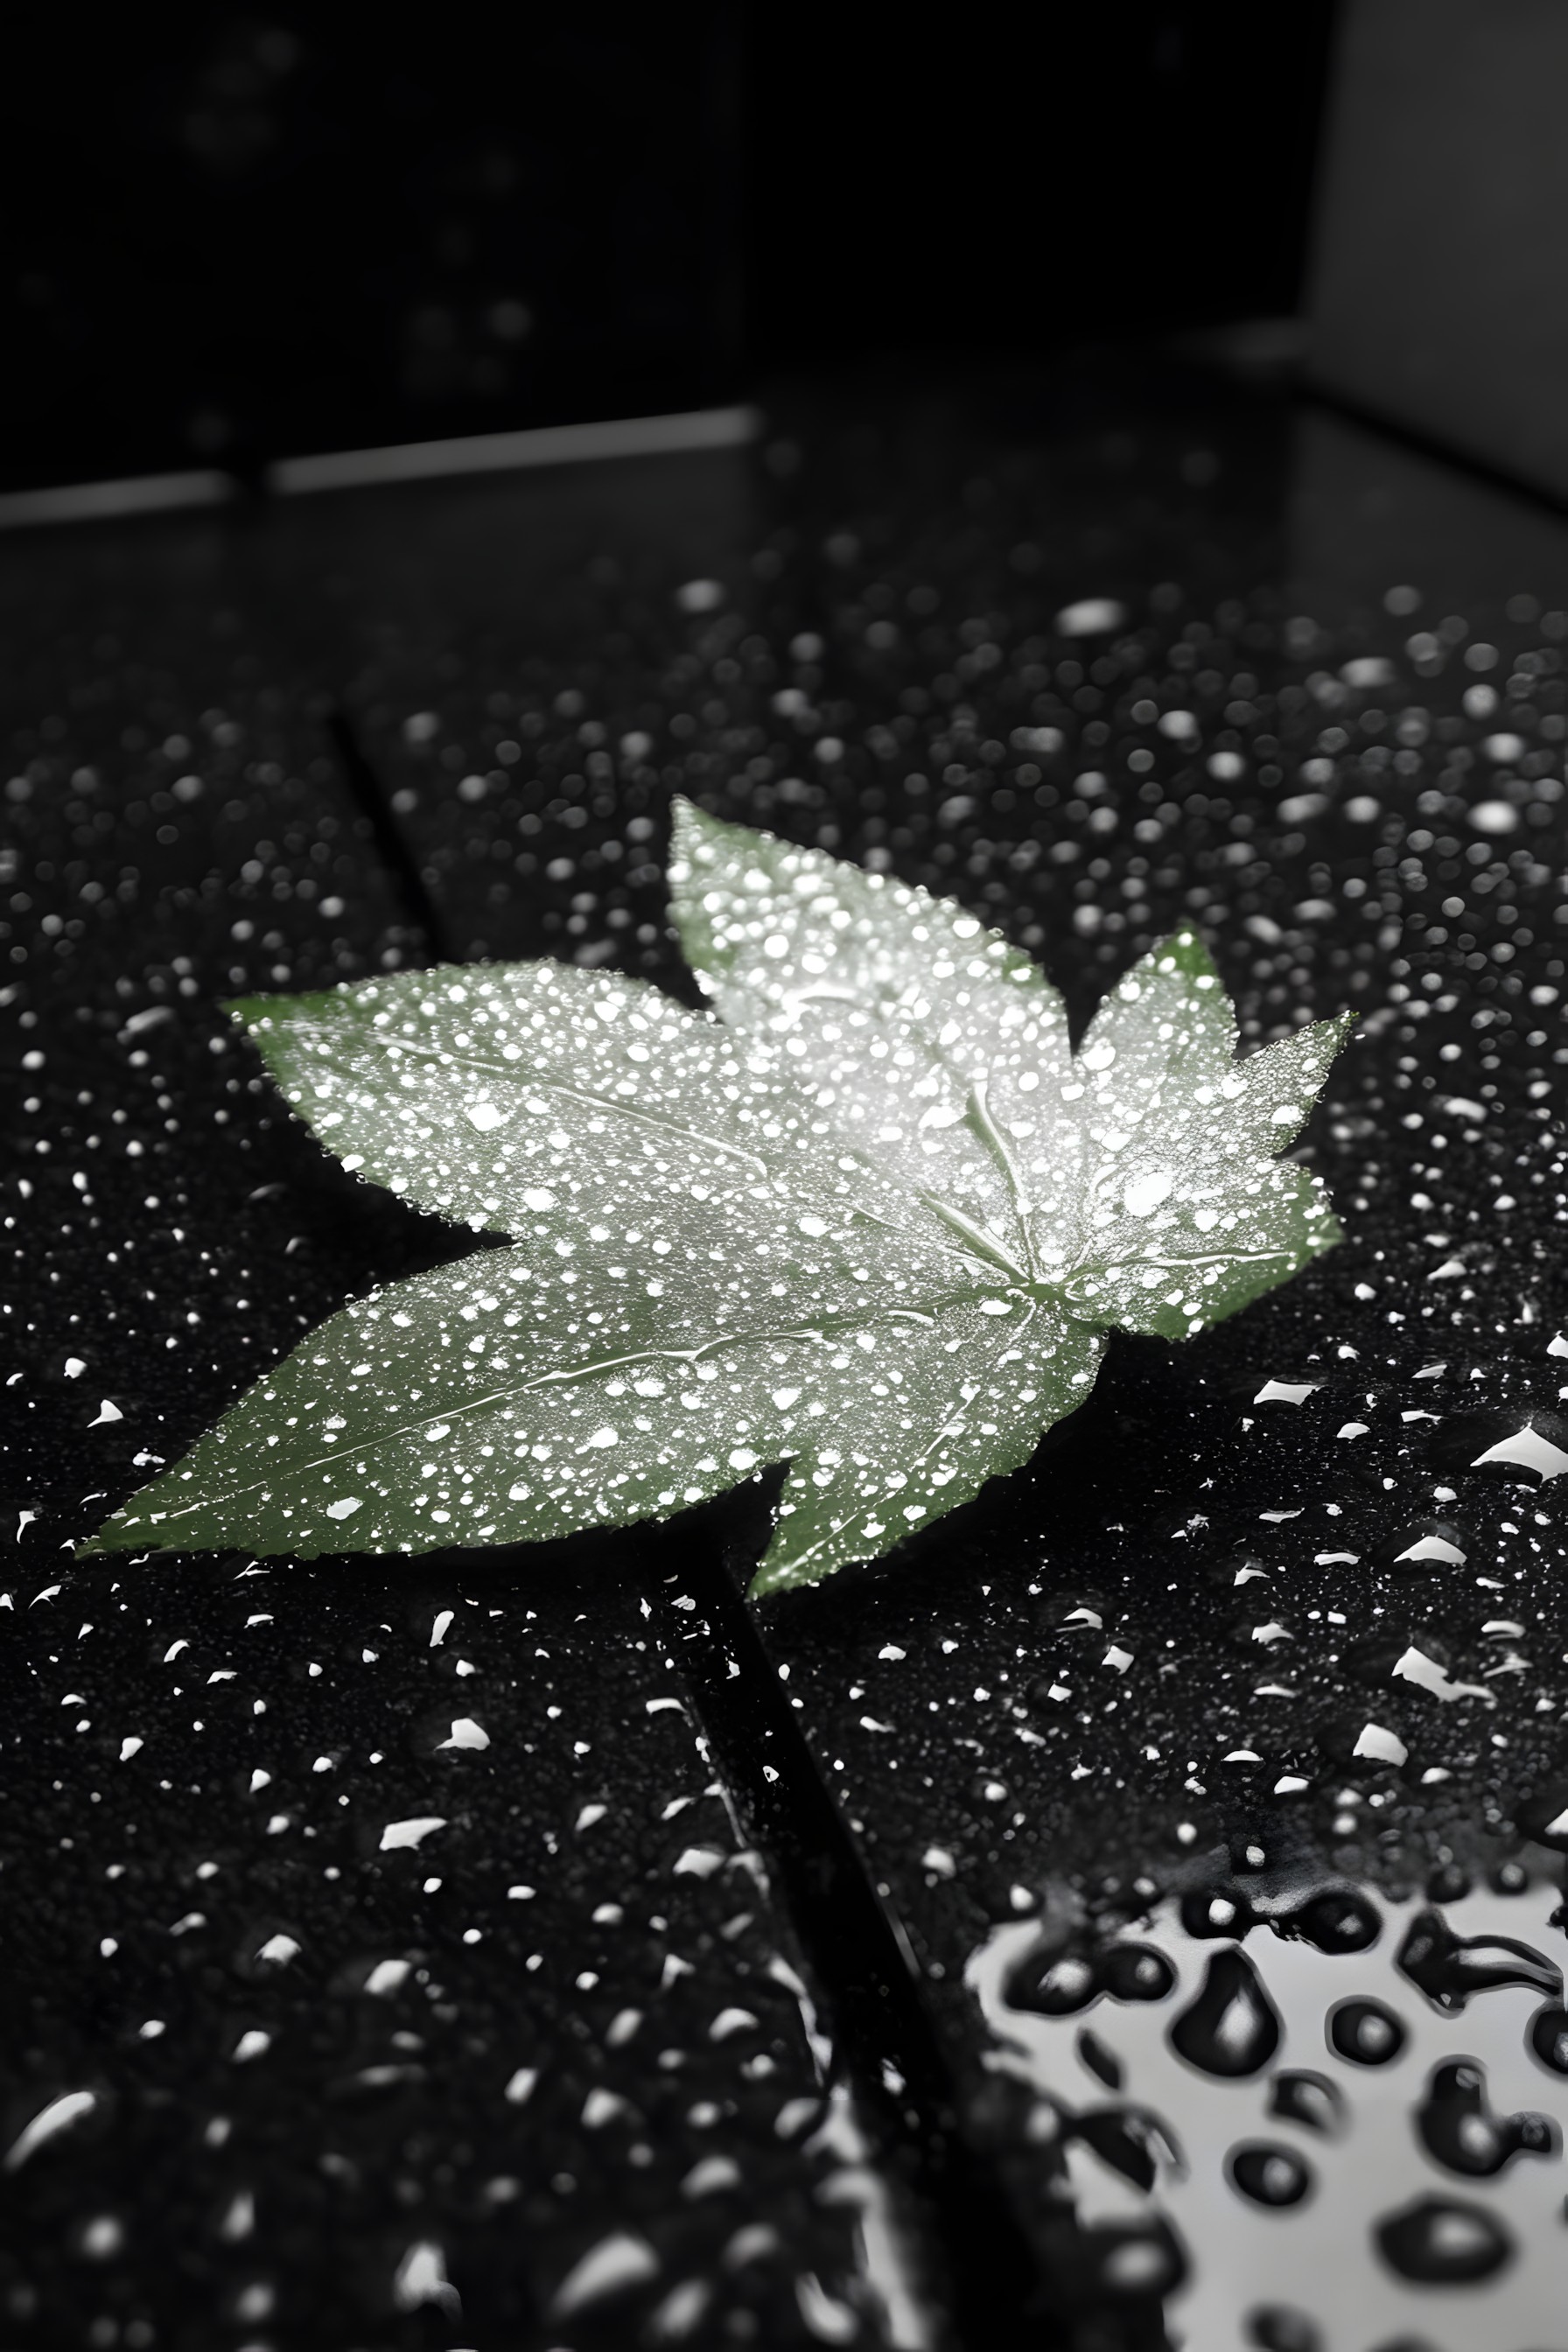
{"x":327,"y":1933}
{"x":1256,"y":1646}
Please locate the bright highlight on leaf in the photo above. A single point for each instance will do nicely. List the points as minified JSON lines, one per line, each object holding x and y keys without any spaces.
{"x":874,"y":1221}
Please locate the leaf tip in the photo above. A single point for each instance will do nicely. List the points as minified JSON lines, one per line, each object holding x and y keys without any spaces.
{"x":688,"y":821}
{"x":695,"y":833}
{"x":776,"y":1576}
{"x":1188,"y":950}
{"x":100,"y":1543}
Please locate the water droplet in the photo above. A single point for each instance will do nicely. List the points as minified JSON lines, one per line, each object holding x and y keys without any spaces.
{"x":617,"y":2263}
{"x":1308,"y":2099}
{"x":1232,"y":2028}
{"x":1378,"y":1745}
{"x":1499,"y":1444}
{"x":1342,"y":1920}
{"x":1099,"y":2059}
{"x":1530,"y":1451}
{"x":1274,"y":2327}
{"x":1091,"y":616}
{"x":1438,"y":2241}
{"x":1450,"y":1969}
{"x":1418,"y":1550}
{"x":410,"y":1833}
{"x":464,"y":1733}
{"x":1138,"y":1972}
{"x":421,"y":2278}
{"x":1129,"y":2140}
{"x":1142,"y":1195}
{"x":1223,"y":1912}
{"x":55,"y":2116}
{"x":1549,"y":2039}
{"x":1068,"y":1982}
{"x":1268,"y":2173}
{"x":1457,"y":2129}
{"x":1366,"y":2033}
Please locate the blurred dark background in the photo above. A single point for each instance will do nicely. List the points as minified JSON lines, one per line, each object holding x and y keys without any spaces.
{"x":232,"y":234}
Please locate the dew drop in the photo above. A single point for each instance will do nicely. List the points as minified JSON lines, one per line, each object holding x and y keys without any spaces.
{"x":1232,"y":2028}
{"x":1222,"y":1913}
{"x":1137,"y":1972}
{"x":1549,"y":2039}
{"x":1365,"y":2033}
{"x":1091,"y":616}
{"x":1308,"y":2099}
{"x":1439,"y":2241}
{"x":1143,"y":1195}
{"x":1342,"y":1920}
{"x":1099,"y":2059}
{"x":1458,"y":2130}
{"x":1268,"y":2173}
{"x":1066,"y":1983}
{"x":1450,"y":1970}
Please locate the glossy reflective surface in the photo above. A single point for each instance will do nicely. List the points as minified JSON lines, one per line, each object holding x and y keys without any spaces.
{"x":1211,"y":1760}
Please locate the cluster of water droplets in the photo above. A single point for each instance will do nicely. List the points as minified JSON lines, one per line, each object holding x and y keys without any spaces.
{"x":1223,"y":2086}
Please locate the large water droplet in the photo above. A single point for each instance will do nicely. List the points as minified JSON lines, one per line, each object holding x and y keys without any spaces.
{"x":1366,"y":2033}
{"x":1123,"y":2137}
{"x":1137,"y":1972}
{"x":1449,"y":1969}
{"x":1425,"y":1549}
{"x":1549,"y":2039}
{"x":1458,"y":2130}
{"x":1232,"y":2028}
{"x":1342,"y":1920}
{"x":1268,"y":2173}
{"x":1066,"y":1983}
{"x":1438,"y":2241}
{"x":1527,"y":1449}
{"x":1501,"y":1446}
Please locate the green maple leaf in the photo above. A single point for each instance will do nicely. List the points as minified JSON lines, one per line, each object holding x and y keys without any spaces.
{"x":874,"y":1221}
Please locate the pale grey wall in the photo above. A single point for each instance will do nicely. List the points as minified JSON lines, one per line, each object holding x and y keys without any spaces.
{"x":1438,"y":294}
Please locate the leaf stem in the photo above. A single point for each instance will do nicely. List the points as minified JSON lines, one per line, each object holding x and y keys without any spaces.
{"x":984,"y":1245}
{"x":980,"y":1120}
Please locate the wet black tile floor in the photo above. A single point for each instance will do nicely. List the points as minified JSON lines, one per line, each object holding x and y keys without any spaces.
{"x":1128,"y":1915}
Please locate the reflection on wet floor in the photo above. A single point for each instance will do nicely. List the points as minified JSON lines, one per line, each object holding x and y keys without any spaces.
{"x":1399,"y":2070}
